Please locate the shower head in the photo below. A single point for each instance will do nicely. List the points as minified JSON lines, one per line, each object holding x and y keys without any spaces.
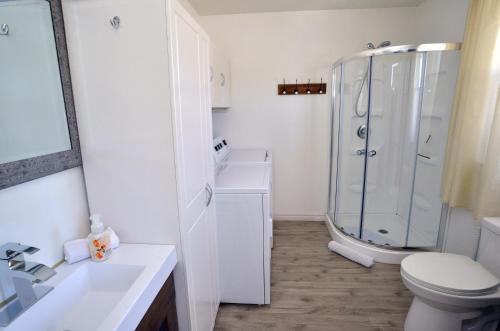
{"x":385,"y":43}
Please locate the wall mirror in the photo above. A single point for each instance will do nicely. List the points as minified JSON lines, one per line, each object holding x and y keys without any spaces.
{"x":38,"y":132}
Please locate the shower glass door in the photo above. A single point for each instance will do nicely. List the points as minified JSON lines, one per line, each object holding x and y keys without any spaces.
{"x":441,"y":69}
{"x":391,"y":112}
{"x":393,"y":126}
{"x":350,"y":145}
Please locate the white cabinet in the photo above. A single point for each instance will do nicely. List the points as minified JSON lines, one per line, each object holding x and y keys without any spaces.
{"x":220,"y":80}
{"x":143,"y":109}
{"x":191,"y":100}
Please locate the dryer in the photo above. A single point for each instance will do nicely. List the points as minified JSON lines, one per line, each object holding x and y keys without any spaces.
{"x":244,"y":232}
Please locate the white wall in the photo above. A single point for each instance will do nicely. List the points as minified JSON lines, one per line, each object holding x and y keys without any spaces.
{"x":441,"y":20}
{"x":267,"y":47}
{"x":45,"y":213}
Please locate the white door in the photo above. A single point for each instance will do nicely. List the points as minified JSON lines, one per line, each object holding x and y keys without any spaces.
{"x":189,"y":47}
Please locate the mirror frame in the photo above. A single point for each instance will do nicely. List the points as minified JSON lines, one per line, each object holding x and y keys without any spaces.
{"x":17,"y":172}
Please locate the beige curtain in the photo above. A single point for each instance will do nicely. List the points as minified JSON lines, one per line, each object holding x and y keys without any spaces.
{"x":472,"y":169}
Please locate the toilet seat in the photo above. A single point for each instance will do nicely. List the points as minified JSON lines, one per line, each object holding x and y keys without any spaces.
{"x":449,"y":273}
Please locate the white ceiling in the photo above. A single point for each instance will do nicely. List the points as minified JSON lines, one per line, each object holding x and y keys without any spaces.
{"x":221,"y":7}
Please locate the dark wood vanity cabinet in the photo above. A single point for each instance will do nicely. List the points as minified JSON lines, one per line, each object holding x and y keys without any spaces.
{"x":162,"y":314}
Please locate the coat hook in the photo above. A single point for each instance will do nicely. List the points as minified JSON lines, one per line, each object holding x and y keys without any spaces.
{"x":4,"y":29}
{"x":115,"y":22}
{"x":284,"y":87}
{"x":296,"y":91}
{"x":308,"y":91}
{"x":321,"y":87}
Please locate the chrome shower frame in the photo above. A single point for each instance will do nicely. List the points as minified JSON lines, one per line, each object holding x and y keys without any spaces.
{"x":421,"y":48}
{"x":401,"y":49}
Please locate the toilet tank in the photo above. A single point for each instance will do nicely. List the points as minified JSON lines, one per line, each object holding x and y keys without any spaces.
{"x":489,"y":245}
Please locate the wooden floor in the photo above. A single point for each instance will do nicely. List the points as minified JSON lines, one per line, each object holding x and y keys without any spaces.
{"x":315,"y":289}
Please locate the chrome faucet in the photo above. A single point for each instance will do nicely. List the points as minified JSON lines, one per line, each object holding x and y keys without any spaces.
{"x":19,"y":276}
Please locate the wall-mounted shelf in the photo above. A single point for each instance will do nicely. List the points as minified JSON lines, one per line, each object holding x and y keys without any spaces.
{"x":290,"y":89}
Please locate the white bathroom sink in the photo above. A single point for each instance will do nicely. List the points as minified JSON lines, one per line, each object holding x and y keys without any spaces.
{"x":112,"y":295}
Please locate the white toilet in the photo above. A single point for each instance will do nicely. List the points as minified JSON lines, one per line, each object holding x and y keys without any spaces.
{"x":453,"y":292}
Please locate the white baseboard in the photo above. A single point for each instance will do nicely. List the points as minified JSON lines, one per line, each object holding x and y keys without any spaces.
{"x":312,"y":218}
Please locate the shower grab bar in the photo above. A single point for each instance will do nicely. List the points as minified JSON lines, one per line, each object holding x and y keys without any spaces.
{"x":4,"y":29}
{"x":363,"y":152}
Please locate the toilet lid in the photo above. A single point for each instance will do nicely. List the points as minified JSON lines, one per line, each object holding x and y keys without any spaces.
{"x":449,"y":273}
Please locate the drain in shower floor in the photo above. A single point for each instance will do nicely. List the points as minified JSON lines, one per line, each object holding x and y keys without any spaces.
{"x":383,"y":231}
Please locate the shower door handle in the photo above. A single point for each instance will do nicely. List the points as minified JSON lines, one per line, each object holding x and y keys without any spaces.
{"x":210,"y":192}
{"x":363,"y":152}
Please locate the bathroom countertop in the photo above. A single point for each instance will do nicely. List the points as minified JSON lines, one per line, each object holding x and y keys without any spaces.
{"x":156,"y":263}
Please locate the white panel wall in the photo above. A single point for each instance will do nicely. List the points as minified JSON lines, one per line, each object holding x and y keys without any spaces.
{"x":264,"y":49}
{"x":461,"y":233}
{"x":45,"y":213}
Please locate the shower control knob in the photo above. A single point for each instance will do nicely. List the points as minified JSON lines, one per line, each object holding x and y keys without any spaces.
{"x":362,"y":132}
{"x":372,"y":153}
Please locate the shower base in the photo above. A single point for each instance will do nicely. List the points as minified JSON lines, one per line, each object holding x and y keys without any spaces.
{"x":379,"y":229}
{"x":379,"y":254}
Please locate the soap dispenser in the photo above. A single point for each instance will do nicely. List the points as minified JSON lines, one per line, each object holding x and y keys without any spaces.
{"x":99,"y":240}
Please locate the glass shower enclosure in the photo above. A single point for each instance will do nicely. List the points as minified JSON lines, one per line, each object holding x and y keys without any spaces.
{"x":391,"y":109}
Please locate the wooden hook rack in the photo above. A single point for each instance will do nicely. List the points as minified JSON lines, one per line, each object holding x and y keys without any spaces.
{"x":315,"y":88}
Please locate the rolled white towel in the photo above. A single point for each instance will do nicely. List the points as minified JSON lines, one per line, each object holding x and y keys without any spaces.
{"x":113,"y":238}
{"x":351,"y":254}
{"x":76,"y":250}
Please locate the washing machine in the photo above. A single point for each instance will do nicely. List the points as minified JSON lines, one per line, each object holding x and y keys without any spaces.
{"x":225,"y":154}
